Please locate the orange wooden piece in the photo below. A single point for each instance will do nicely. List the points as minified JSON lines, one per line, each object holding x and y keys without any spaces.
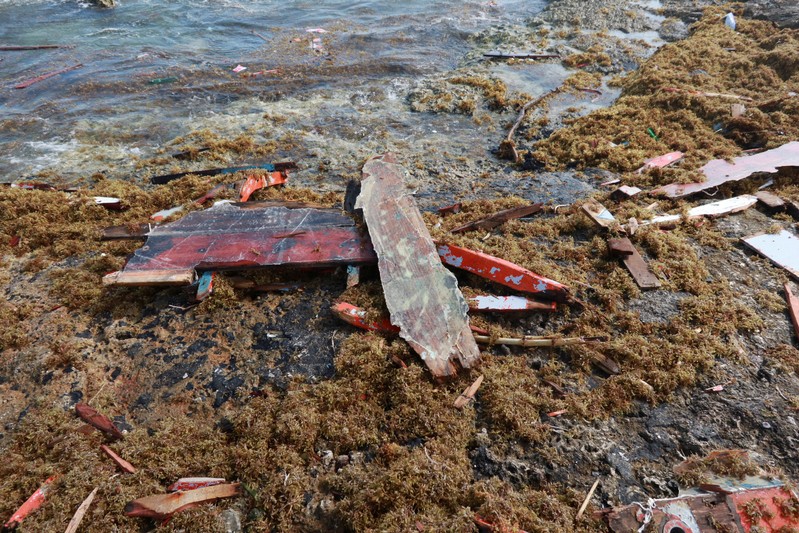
{"x":95,"y":419}
{"x":121,"y":463}
{"x":254,"y":182}
{"x":31,"y":504}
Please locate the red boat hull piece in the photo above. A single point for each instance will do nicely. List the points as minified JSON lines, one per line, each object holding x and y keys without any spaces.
{"x":255,"y":182}
{"x":31,"y":504}
{"x":502,"y":272}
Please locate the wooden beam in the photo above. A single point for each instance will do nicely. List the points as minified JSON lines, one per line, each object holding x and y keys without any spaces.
{"x":638,"y":268}
{"x":499,"y":218}
{"x":422,"y":296}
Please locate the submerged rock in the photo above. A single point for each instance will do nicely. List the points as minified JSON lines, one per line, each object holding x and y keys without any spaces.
{"x":103,"y":3}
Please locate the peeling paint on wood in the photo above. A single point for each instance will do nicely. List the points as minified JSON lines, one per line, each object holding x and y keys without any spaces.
{"x":422,"y":296}
{"x":599,"y":214}
{"x":508,"y":304}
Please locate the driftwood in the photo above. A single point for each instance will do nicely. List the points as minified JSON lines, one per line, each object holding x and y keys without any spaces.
{"x":97,"y":420}
{"x":37,"y":79}
{"x":499,"y":218}
{"x":120,"y":462}
{"x":508,"y":148}
{"x":163,"y":506}
{"x":422,"y":296}
{"x":467,"y":395}
{"x":34,"y":47}
{"x":73,"y":525}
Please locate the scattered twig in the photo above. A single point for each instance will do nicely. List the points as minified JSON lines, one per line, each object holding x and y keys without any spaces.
{"x":587,"y":499}
{"x":264,"y":39}
{"x":73,"y":525}
{"x":467,"y":395}
{"x":508,"y":143}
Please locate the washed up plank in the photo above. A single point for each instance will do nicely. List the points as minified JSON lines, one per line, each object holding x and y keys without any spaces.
{"x":781,"y":248}
{"x":421,"y":295}
{"x":163,"y":506}
{"x":269,"y":167}
{"x":227,"y":237}
{"x":499,"y":218}
{"x":502,"y":272}
{"x":719,"y":171}
{"x":635,"y":264}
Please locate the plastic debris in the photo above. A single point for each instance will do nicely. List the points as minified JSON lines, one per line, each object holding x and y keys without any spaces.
{"x":712,"y":209}
{"x":729,"y":21}
{"x":661,"y":161}
{"x":239,"y":68}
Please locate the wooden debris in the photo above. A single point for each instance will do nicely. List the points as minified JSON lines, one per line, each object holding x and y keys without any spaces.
{"x":73,"y":525}
{"x":532,"y":340}
{"x":279,"y":167}
{"x":205,"y":286}
{"x":255,"y":182}
{"x":508,"y":147}
{"x":770,"y":200}
{"x":587,"y":499}
{"x":502,"y":272}
{"x":467,"y":395}
{"x":192,"y":483}
{"x":712,"y":210}
{"x":450,"y":209}
{"x":708,"y":94}
{"x":559,"y":412}
{"x":607,"y":364}
{"x":507,"y":304}
{"x":126,"y":231}
{"x":599,"y":214}
{"x":163,"y":506}
{"x":421,"y":295}
{"x":661,"y":161}
{"x":519,"y":55}
{"x":37,"y":79}
{"x":12,"y":48}
{"x":499,"y":218}
{"x":638,"y":268}
{"x":720,"y":171}
{"x":625,"y":192}
{"x":353,"y":276}
{"x":228,"y":237}
{"x":31,"y":504}
{"x":97,"y":420}
{"x":793,"y":309}
{"x":248,"y":284}
{"x":781,"y":248}
{"x":121,"y":463}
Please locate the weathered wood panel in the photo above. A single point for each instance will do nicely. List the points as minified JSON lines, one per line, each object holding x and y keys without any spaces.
{"x":422,"y":296}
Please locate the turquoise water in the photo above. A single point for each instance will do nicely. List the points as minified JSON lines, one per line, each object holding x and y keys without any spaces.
{"x":110,"y":100}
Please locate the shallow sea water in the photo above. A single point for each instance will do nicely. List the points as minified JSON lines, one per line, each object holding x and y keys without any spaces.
{"x":107,"y":113}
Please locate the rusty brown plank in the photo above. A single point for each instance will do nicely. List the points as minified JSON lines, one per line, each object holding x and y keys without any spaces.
{"x":422,"y":296}
{"x":638,"y":268}
{"x":499,"y":218}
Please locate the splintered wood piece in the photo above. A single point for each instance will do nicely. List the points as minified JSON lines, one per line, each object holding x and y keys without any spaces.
{"x":163,"y":506}
{"x":121,"y":463}
{"x":599,"y":214}
{"x":606,"y":363}
{"x":227,"y":237}
{"x":499,"y":218}
{"x":160,"y":180}
{"x":95,"y":419}
{"x":625,"y":192}
{"x":450,"y":209}
{"x":720,"y":171}
{"x":31,"y":504}
{"x":421,"y":295}
{"x":781,"y":248}
{"x":255,"y":182}
{"x":73,"y":525}
{"x":661,"y":161}
{"x":638,"y":268}
{"x":793,"y":308}
{"x":192,"y":483}
{"x":507,"y":304}
{"x":770,"y":200}
{"x":467,"y":395}
{"x":502,"y":272}
{"x":126,"y":231}
{"x":356,"y":316}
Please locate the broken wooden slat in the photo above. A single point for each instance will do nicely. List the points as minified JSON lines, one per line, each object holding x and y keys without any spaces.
{"x":120,"y":462}
{"x":73,"y":525}
{"x":502,"y":272}
{"x":31,"y":504}
{"x":467,"y":395}
{"x":661,"y":161}
{"x":519,"y":55}
{"x":166,"y":178}
{"x":538,"y":340}
{"x":248,"y":284}
{"x":713,"y":209}
{"x":507,"y":304}
{"x":793,"y":308}
{"x":163,"y":506}
{"x":126,"y":231}
{"x":770,"y":200}
{"x":27,"y":83}
{"x":639,"y":270}
{"x":499,"y":218}
{"x":228,"y":237}
{"x":720,"y":171}
{"x":192,"y":483}
{"x":450,"y":209}
{"x":781,"y":248}
{"x":97,"y":420}
{"x":255,"y":182}
{"x":625,"y":192}
{"x":587,"y":499}
{"x":599,"y":214}
{"x":356,"y":316}
{"x":422,"y":296}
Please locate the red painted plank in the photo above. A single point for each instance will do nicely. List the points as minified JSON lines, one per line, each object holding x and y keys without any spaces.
{"x":31,"y":504}
{"x":502,"y":272}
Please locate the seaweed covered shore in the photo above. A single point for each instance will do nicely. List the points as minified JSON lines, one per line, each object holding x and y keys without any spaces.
{"x":332,"y":429}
